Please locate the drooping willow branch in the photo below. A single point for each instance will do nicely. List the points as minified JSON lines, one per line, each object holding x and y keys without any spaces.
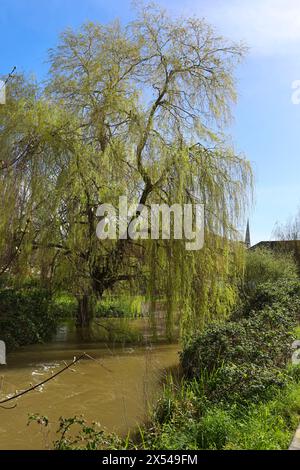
{"x":14,"y":255}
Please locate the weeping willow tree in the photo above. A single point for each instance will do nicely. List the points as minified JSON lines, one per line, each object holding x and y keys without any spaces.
{"x":136,"y":111}
{"x":30,"y":144}
{"x":20,"y":147}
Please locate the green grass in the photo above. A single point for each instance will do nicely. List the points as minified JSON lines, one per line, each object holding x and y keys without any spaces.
{"x":185,"y":419}
{"x":120,"y":307}
{"x":65,"y":306}
{"x":268,"y":426}
{"x":297,"y":332}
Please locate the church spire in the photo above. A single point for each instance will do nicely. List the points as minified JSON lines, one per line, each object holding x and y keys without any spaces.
{"x":247,"y":238}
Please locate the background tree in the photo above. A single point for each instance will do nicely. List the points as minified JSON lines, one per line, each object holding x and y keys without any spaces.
{"x":264,"y":265}
{"x":290,"y":230}
{"x":289,"y":234}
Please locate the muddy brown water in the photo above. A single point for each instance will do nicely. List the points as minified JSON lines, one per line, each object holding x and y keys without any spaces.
{"x":116,"y":391}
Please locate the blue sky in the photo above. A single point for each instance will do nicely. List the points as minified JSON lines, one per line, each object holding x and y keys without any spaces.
{"x":266,"y":122}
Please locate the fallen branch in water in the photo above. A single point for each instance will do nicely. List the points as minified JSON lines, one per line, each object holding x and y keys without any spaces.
{"x":34,"y":387}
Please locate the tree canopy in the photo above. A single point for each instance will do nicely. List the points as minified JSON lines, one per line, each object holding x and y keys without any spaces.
{"x":138,"y":110}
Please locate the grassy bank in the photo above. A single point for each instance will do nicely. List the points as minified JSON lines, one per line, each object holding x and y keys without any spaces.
{"x":195,"y":423}
{"x":239,"y":389}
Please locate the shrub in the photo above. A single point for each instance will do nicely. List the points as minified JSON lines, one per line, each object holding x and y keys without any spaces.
{"x":76,"y":434}
{"x":26,"y":316}
{"x":284,"y":292}
{"x":247,"y":353}
{"x":269,"y":336}
{"x":263,"y":339}
{"x":65,"y":306}
{"x":217,"y":343}
{"x":241,"y":383}
{"x":264,"y":265}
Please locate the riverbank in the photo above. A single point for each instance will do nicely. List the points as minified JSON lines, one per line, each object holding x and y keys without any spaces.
{"x":185,"y":419}
{"x":240,"y":388}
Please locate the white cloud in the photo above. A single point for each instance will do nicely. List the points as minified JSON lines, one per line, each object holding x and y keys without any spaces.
{"x":268,"y":26}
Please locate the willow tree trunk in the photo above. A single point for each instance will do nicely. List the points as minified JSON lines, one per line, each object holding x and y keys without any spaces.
{"x":85,"y":311}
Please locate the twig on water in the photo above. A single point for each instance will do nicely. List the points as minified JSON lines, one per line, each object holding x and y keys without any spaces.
{"x":34,"y":387}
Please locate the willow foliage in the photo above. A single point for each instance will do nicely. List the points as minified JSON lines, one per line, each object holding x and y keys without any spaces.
{"x":138,"y":111}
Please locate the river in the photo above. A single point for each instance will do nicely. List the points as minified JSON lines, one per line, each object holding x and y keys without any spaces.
{"x":115,"y":391}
